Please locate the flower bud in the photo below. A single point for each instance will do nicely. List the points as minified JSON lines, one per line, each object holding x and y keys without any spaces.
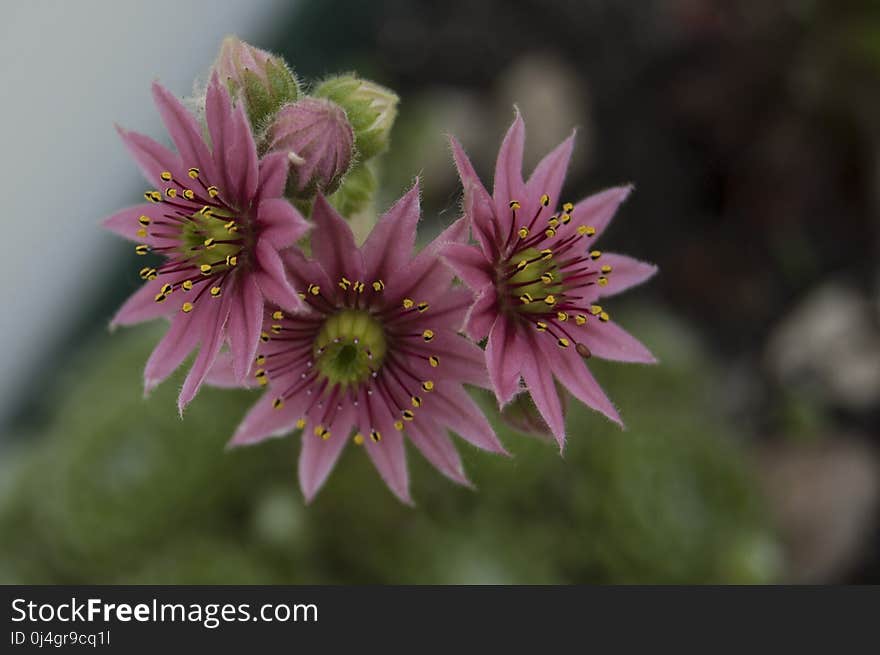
{"x":371,"y":110}
{"x":262,"y":80}
{"x":318,"y":140}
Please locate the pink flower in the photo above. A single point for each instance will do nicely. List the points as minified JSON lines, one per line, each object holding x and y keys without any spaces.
{"x":538,"y":280}
{"x":219,"y":221}
{"x":377,"y":352}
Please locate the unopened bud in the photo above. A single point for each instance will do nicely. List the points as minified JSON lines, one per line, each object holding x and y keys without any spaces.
{"x":371,"y":110}
{"x":318,"y":140}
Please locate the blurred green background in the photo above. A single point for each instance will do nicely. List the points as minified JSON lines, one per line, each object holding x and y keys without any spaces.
{"x":751,"y":452}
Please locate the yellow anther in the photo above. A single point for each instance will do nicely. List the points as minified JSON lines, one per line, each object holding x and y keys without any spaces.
{"x":562,"y":316}
{"x":562,"y":342}
{"x":359,"y":287}
{"x":398,"y":425}
{"x":160,"y":297}
{"x":145,"y":272}
{"x":300,"y":423}
{"x":567,"y":207}
{"x":546,"y":253}
{"x":264,"y":337}
{"x":408,"y":415}
{"x":408,"y":303}
{"x":187,"y":307}
{"x":142,"y":249}
{"x":358,"y":439}
{"x":205,"y":269}
{"x":541,"y":326}
{"x":550,"y":299}
{"x":144,"y":220}
{"x":595,"y":254}
{"x":523,"y":232}
{"x":260,"y":373}
{"x":606,"y":269}
{"x":260,"y":360}
{"x":278,"y":403}
{"x":378,"y":285}
{"x":205,"y":210}
{"x":165,"y":175}
{"x":213,"y":191}
{"x":434,"y":361}
{"x":428,"y":385}
{"x":547,"y":277}
{"x":525,"y":299}
{"x":521,"y":265}
{"x":153,"y":196}
{"x":141,"y":233}
{"x":375,"y":435}
{"x":318,"y":430}
{"x":188,"y":194}
{"x":545,"y":200}
{"x":514,"y":205}
{"x":553,"y":221}
{"x":604,"y":317}
{"x":276,"y":328}
{"x":427,"y":335}
{"x":210,"y":243}
{"x":171,"y":192}
{"x":595,"y":310}
{"x":193,"y":173}
{"x":231,"y":227}
{"x":278,"y":315}
{"x":231,"y":260}
{"x":187,"y":285}
{"x":416,"y":401}
{"x":215,"y":291}
{"x":314,"y":289}
{"x":550,"y":232}
{"x":422,"y":306}
{"x":166,"y":289}
{"x":603,"y":281}
{"x":580,"y":319}
{"x":325,"y":434}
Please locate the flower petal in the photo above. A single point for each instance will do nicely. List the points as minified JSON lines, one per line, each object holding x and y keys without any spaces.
{"x":235,"y":153}
{"x":478,"y":205}
{"x":468,"y":263}
{"x":451,"y":405}
{"x":264,"y":420}
{"x":501,"y":360}
{"x":184,"y":131}
{"x":547,"y":178}
{"x":597,"y":210}
{"x":318,"y":456}
{"x":391,"y":241}
{"x":172,"y":349}
{"x":388,"y":454}
{"x":439,"y":450}
{"x":610,"y":341}
{"x":508,"y":174}
{"x":222,"y":373}
{"x":151,"y":157}
{"x":245,"y":323}
{"x":482,"y":314}
{"x":280,"y":223}
{"x":538,"y":376}
{"x":333,"y":243}
{"x":126,"y":224}
{"x":626,"y":273}
{"x":273,"y":175}
{"x":271,"y":278}
{"x":142,"y":306}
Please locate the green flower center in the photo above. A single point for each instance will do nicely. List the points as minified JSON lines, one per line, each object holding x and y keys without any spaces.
{"x":537,"y":284}
{"x":212,"y":239}
{"x":350,"y":347}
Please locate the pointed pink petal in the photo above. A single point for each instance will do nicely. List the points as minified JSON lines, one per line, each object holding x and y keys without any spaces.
{"x":573,"y":373}
{"x":280,"y":223}
{"x":610,"y":341}
{"x":461,"y":360}
{"x":390,"y":244}
{"x":502,"y":361}
{"x":508,"y":174}
{"x":211,"y":338}
{"x":598,"y":210}
{"x":245,"y":323}
{"x":548,"y":177}
{"x":388,"y":455}
{"x":235,"y":153}
{"x":626,"y":273}
{"x":271,"y":278}
{"x":264,"y":421}
{"x":184,"y":131}
{"x":438,"y":449}
{"x":478,"y":205}
{"x":451,"y":405}
{"x":333,"y":243}
{"x":482,"y":314}
{"x":151,"y":157}
{"x":318,"y":456}
{"x":125,"y":223}
{"x":538,"y":376}
{"x":222,"y":374}
{"x":469,"y":264}
{"x":142,"y":306}
{"x":273,"y":175}
{"x":168,"y":355}
{"x":303,"y":271}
